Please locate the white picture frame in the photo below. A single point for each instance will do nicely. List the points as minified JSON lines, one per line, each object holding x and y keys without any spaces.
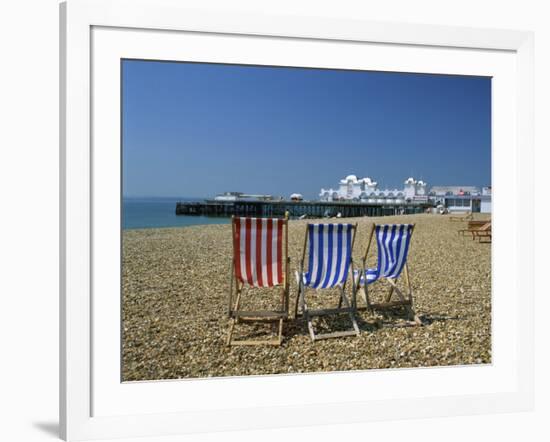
{"x":88,"y":410}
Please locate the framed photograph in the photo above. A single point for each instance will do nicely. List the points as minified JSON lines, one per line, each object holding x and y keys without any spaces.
{"x":298,"y":220}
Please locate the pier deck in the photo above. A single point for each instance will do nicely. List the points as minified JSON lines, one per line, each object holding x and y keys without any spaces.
{"x":310,"y":209}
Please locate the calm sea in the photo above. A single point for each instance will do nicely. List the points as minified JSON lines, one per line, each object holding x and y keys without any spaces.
{"x":142,"y":213}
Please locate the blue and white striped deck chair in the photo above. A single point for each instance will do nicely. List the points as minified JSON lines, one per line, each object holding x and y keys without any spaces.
{"x":393,"y":244}
{"x":329,"y":260}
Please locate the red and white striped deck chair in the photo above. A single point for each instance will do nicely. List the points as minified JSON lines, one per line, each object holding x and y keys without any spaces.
{"x":260,"y":259}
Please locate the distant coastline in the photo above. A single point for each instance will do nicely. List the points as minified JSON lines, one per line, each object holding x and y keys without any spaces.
{"x":159,"y":212}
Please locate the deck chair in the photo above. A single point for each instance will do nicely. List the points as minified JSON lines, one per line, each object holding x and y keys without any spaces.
{"x":393,"y":243}
{"x":462,"y":217}
{"x":472,"y":225}
{"x":330,"y":258}
{"x":478,"y":230}
{"x":484,"y":231}
{"x":260,"y":259}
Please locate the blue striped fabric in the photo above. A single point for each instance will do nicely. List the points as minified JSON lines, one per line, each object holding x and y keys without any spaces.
{"x":329,"y":255}
{"x":393,"y":242}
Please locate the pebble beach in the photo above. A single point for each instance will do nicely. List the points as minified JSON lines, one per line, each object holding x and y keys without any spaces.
{"x":175,"y":284}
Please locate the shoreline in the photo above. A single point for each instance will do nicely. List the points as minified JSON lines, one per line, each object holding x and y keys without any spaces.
{"x":317,"y":220}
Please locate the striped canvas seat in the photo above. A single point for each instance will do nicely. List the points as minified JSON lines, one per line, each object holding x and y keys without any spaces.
{"x":393,"y":245}
{"x":329,"y":255}
{"x":258,"y":251}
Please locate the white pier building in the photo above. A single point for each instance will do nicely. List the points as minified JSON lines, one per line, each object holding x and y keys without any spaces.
{"x":452,"y":198}
{"x":365,"y":189}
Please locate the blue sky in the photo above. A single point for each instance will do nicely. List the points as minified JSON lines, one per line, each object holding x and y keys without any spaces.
{"x":193,"y":129}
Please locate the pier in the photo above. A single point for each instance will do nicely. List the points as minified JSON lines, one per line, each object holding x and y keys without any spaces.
{"x":297,"y":209}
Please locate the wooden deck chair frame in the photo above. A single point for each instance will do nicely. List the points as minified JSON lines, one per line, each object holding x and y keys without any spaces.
{"x":478,"y":231}
{"x":484,"y":232}
{"x":464,"y":217}
{"x":472,"y":225}
{"x":404,"y":299}
{"x":237,"y":288}
{"x":349,"y":307}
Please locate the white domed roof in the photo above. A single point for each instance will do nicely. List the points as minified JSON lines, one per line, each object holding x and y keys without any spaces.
{"x":351,"y":178}
{"x":368,"y":181}
{"x":410,"y":180}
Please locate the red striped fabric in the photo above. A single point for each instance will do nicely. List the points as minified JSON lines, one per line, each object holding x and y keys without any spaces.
{"x":258,"y":251}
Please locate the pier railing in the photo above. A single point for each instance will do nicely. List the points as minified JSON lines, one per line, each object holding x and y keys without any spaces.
{"x":296,"y":209}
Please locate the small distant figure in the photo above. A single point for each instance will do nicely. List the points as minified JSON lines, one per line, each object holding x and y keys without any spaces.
{"x":339,"y":215}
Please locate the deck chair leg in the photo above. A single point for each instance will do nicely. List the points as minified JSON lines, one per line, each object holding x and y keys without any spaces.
{"x":285,"y":306}
{"x":230,"y":303}
{"x":238,"y":300}
{"x":354,"y":288}
{"x":344,"y":298}
{"x":389,"y":295}
{"x":305,"y":313}
{"x":234,"y":320}
{"x":415,"y":317}
{"x":310,"y":327}
{"x":408,"y":307}
{"x":367,"y":299}
{"x":303,"y":305}
{"x":408,"y":281}
{"x":364,"y":290}
{"x":287,"y":284}
{"x":298,"y":295}
{"x":412,"y":315}
{"x":364,"y":293}
{"x":309,"y":323}
{"x":230,"y":333}
{"x":300,"y":302}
